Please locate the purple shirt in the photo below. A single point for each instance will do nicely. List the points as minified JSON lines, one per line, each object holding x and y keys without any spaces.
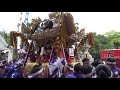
{"x":70,"y":76}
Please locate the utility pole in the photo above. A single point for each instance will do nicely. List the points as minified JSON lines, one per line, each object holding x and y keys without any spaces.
{"x":19,"y":30}
{"x":26,"y":18}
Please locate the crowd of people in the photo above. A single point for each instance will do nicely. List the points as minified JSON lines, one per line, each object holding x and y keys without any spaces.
{"x":60,"y":68}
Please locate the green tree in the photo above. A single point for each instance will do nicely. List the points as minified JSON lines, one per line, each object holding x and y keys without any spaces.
{"x":114,"y":38}
{"x":101,"y":42}
{"x":6,"y":36}
{"x":109,"y":40}
{"x":116,"y":45}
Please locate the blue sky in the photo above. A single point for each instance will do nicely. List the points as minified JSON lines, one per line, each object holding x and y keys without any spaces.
{"x":99,"y":22}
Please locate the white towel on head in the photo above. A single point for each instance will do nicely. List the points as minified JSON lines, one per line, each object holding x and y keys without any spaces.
{"x":22,"y":51}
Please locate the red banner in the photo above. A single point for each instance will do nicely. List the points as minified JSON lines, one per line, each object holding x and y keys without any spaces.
{"x":111,"y":53}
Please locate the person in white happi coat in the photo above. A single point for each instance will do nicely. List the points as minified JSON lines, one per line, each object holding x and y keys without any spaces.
{"x":21,"y":54}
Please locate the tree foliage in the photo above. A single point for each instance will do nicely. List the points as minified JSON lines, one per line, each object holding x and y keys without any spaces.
{"x":100,"y":43}
{"x":114,"y":38}
{"x":6,"y":36}
{"x":109,"y":40}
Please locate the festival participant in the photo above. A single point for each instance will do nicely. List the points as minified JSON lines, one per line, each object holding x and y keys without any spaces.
{"x":7,"y":66}
{"x":4,"y":62}
{"x":87,"y":71}
{"x":86,"y":61}
{"x":30,"y":64}
{"x":48,"y":52}
{"x":44,"y":55}
{"x":103,"y":71}
{"x":38,"y":56}
{"x":11,"y":70}
{"x":97,"y":62}
{"x":12,"y":62}
{"x":2,"y":71}
{"x":37,"y":72}
{"x":112,"y":64}
{"x":69,"y":71}
{"x":70,"y":59}
{"x":21,"y":58}
{"x":18,"y":73}
{"x":47,"y":55}
{"x":94,"y":65}
{"x":78,"y":71}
